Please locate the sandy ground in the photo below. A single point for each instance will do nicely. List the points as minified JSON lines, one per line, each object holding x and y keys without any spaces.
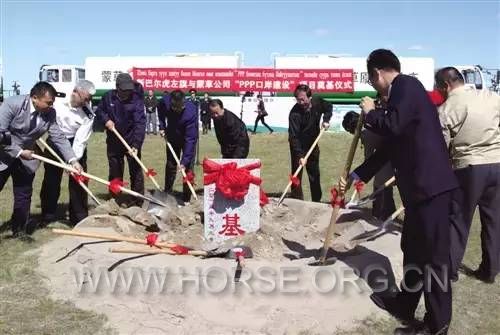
{"x":277,"y":292}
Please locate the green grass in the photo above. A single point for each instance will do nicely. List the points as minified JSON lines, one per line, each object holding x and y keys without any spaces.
{"x":25,"y":307}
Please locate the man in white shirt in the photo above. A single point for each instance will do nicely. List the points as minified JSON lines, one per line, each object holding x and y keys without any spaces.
{"x":75,"y":119}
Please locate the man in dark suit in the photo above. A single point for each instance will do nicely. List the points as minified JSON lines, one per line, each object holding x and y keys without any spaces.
{"x":231,"y":132}
{"x":123,"y":109}
{"x":27,"y":118}
{"x":416,"y":149}
{"x":303,"y":128}
{"x":179,"y":125}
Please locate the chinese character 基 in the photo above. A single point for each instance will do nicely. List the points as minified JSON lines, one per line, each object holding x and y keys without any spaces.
{"x":231,"y":227}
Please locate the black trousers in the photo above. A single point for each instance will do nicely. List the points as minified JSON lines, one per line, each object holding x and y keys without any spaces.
{"x":116,"y":153}
{"x":479,"y":187}
{"x":22,"y":180}
{"x":171,"y":172}
{"x":206,"y":123}
{"x":383,"y":205}
{"x":51,"y":189}
{"x":425,"y":242}
{"x":261,"y":119}
{"x":312,"y":168}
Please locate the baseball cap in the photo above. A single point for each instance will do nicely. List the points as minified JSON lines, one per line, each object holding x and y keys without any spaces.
{"x":124,"y":82}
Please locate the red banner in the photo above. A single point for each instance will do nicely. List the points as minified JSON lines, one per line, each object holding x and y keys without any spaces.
{"x":244,"y":79}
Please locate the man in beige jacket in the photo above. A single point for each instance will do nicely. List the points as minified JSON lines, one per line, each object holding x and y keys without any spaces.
{"x":470,"y":121}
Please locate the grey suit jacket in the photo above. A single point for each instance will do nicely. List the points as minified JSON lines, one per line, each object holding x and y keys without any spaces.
{"x":15,"y":115}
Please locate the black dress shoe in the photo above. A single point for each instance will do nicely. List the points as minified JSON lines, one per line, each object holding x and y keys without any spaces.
{"x":404,"y":331}
{"x":454,"y":277}
{"x":31,"y":226}
{"x":22,"y":236}
{"x":420,"y":329}
{"x":390,"y":305}
{"x":483,"y":276}
{"x":49,"y":218}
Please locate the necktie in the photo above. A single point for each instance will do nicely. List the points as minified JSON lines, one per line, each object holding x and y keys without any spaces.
{"x":33,"y":120}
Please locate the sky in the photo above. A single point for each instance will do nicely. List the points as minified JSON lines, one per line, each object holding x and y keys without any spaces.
{"x":66,"y":32}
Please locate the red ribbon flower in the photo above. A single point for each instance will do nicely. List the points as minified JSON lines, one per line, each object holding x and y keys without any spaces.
{"x":295,"y":180}
{"x":336,"y":200}
{"x":115,"y":185}
{"x":151,"y":239}
{"x":151,"y":173}
{"x":230,"y":180}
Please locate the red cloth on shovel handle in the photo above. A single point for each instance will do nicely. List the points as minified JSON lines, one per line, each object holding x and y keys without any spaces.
{"x":151,"y":173}
{"x":336,"y":200}
{"x":79,"y":178}
{"x":295,"y":180}
{"x":264,"y":200}
{"x":115,"y":185}
{"x":359,"y":185}
{"x":180,"y":250}
{"x":151,"y":239}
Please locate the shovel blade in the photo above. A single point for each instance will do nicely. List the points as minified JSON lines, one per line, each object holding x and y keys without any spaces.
{"x":326,"y":262}
{"x":230,"y":253}
{"x":366,"y":235}
{"x":156,"y":209}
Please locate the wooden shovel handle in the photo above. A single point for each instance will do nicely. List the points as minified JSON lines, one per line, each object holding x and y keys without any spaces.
{"x":82,"y":184}
{"x":297,"y":171}
{"x":182,"y":170}
{"x":155,"y":251}
{"x":110,"y":237}
{"x":134,"y":154}
{"x":336,"y":209}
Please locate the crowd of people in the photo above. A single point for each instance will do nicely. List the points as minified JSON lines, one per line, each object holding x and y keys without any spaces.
{"x":446,"y":161}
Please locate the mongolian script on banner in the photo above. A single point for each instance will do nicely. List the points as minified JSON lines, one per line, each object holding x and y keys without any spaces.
{"x":251,"y":79}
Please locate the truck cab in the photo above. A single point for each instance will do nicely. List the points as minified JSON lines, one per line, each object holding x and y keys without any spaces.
{"x":473,"y":76}
{"x":62,"y":77}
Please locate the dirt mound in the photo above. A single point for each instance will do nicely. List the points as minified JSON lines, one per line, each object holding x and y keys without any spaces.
{"x":280,"y":227}
{"x":290,"y":237}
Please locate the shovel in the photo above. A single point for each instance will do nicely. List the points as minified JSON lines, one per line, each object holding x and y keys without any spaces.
{"x":183,"y":172}
{"x":383,"y":229}
{"x":118,"y":238}
{"x":81,"y":183}
{"x":371,"y":197}
{"x":296,"y":173}
{"x":239,"y":252}
{"x":336,"y":207}
{"x":137,"y":159}
{"x":99,"y":180}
